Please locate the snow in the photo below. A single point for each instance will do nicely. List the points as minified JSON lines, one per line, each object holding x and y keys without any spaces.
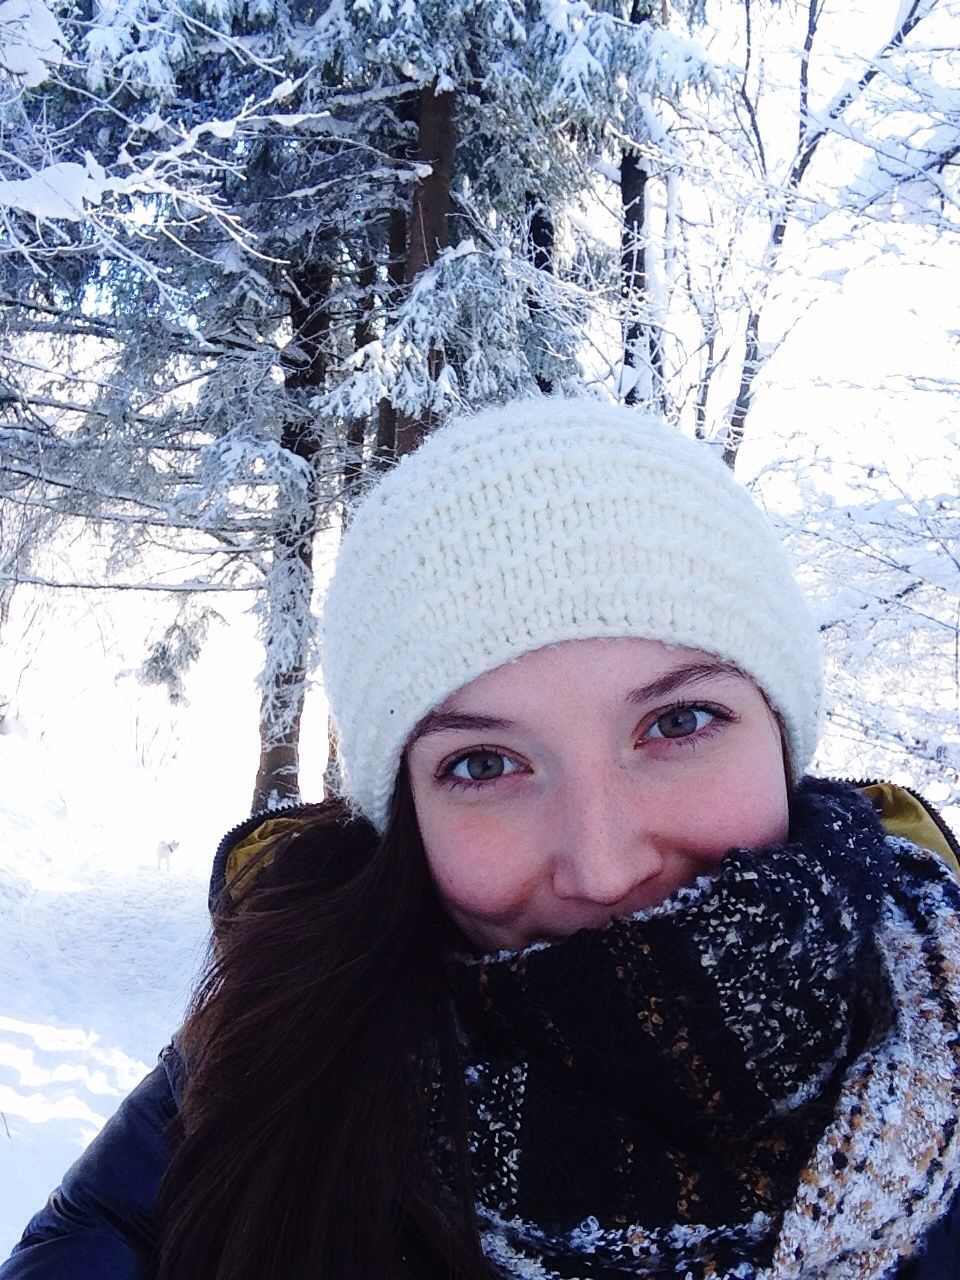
{"x":96,"y":958}
{"x":101,"y":942}
{"x":59,"y":191}
{"x":31,"y":42}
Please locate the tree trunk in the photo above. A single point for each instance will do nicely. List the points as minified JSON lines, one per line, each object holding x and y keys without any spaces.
{"x":642,"y":340}
{"x":331,"y":774}
{"x":540,"y":247}
{"x":290,"y":579}
{"x":428,"y":228}
{"x":752,"y":364}
{"x":385,"y":449}
{"x":356,"y":430}
{"x":642,"y":337}
{"x":703,"y":387}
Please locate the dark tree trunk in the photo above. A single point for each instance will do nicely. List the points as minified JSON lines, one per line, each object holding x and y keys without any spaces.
{"x":703,"y":387}
{"x":428,"y":228}
{"x":753,"y":357}
{"x":540,"y":247}
{"x":752,"y":364}
{"x":642,"y":339}
{"x":281,"y":708}
{"x":540,"y":237}
{"x":385,"y":449}
{"x":357,"y":430}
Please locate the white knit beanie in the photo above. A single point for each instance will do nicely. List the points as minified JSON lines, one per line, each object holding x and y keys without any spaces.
{"x":543,"y":521}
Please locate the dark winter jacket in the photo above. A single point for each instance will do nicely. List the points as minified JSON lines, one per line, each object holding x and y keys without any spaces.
{"x":99,"y":1224}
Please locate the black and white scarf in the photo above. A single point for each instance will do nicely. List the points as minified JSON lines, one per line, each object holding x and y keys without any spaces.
{"x":757,"y":1079}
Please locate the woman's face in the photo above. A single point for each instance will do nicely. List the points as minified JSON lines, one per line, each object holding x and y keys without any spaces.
{"x":590,"y":780}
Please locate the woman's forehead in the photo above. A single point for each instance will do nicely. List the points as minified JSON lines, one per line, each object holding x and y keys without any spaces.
{"x":634,"y":665}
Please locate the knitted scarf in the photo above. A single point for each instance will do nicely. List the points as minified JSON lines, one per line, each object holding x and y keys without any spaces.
{"x":758,"y":1078}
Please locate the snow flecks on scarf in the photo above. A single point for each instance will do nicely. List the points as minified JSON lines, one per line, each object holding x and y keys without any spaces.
{"x":756,"y":1080}
{"x":888,"y":1166}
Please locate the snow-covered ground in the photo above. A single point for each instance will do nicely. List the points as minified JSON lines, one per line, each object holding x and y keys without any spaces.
{"x":96,"y":956}
{"x":99,"y":944}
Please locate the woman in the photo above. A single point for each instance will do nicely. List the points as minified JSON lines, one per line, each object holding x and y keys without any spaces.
{"x":583,"y":977}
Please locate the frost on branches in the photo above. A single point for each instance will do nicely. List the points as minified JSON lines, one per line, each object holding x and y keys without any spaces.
{"x":877,"y":552}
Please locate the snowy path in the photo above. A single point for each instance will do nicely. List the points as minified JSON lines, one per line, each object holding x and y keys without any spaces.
{"x":98,"y":949}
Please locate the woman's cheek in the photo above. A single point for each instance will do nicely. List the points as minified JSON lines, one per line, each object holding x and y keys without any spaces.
{"x":480,"y":868}
{"x":747,"y":810}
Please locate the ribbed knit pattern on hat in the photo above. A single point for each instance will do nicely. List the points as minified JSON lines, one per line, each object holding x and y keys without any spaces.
{"x":544,"y":521}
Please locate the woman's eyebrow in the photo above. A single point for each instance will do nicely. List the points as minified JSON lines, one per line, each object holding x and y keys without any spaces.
{"x":694,"y":673}
{"x":438,"y":721}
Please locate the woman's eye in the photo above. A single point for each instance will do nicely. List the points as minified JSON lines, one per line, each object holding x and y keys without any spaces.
{"x":680,"y":722}
{"x":482,"y":766}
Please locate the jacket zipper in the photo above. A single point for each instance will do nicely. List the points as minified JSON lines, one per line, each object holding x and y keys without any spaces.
{"x":238,"y":833}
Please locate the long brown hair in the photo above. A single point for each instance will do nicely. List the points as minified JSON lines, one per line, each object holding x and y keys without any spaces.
{"x":299,"y":1149}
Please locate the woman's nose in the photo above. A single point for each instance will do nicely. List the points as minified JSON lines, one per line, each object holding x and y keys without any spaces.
{"x":603,"y":844}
